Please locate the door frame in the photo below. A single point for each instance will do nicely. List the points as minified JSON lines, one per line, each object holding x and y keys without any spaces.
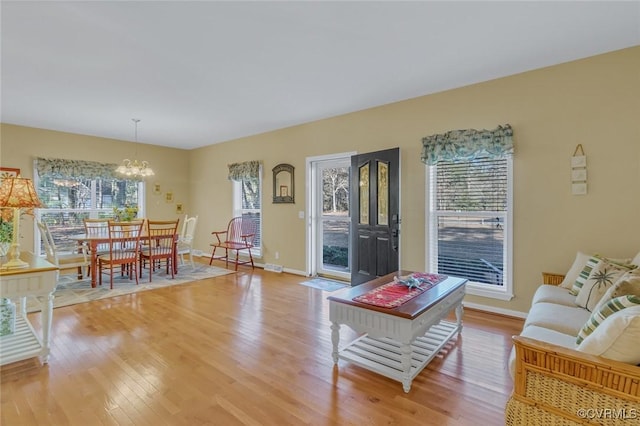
{"x":311,"y":221}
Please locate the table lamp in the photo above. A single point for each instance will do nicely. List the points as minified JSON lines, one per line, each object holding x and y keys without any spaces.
{"x":17,"y":193}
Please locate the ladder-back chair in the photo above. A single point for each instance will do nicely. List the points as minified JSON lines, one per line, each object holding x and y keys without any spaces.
{"x":185,"y":241}
{"x":162,"y":236}
{"x":63,"y":259}
{"x":240,"y":235}
{"x":97,"y":228}
{"x":124,"y":250}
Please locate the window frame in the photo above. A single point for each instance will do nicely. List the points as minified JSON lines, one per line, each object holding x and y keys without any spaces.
{"x":503,"y":292}
{"x":237,"y":209}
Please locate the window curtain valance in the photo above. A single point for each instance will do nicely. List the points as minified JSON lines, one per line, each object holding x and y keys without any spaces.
{"x":246,"y":170}
{"x":467,"y":145}
{"x":60,"y":168}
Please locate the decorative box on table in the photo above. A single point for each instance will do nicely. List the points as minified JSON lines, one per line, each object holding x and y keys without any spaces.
{"x":7,"y":317}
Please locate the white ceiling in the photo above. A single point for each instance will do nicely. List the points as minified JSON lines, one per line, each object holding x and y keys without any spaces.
{"x":199,"y":73}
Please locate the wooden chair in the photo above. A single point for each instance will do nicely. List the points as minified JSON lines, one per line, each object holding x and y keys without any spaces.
{"x":240,"y":235}
{"x":185,"y":240}
{"x":63,"y":259}
{"x":162,"y":237}
{"x":97,"y":227}
{"x":124,"y":250}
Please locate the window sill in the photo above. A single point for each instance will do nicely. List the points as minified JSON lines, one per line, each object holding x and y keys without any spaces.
{"x":482,"y":290}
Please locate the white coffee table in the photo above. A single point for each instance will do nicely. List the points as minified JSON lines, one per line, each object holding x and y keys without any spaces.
{"x":399,"y":342}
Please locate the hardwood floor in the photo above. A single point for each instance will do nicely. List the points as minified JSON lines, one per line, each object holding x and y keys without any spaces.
{"x":251,"y":348}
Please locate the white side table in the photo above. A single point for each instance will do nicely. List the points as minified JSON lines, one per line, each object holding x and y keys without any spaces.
{"x":39,"y":279}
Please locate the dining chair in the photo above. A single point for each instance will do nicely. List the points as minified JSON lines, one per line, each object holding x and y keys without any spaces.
{"x":162,"y":239}
{"x":97,"y":228}
{"x":239,"y":236}
{"x":68,"y":258}
{"x":124,"y":250}
{"x":185,"y":240}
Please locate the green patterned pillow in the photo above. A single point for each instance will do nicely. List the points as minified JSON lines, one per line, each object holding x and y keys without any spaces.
{"x":609,"y":308}
{"x":601,"y":278}
{"x":584,"y":275}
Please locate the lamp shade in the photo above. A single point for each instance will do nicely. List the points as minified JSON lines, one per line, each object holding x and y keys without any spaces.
{"x":18,"y":192}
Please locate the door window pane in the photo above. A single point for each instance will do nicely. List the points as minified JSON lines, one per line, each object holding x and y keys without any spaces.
{"x":383,"y":193}
{"x":364,"y":194}
{"x":335,"y":218}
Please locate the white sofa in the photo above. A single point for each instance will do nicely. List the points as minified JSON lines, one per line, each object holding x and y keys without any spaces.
{"x":558,"y":375}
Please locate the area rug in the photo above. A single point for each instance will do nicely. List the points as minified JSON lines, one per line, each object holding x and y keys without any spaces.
{"x":70,"y":291}
{"x":325,"y":284}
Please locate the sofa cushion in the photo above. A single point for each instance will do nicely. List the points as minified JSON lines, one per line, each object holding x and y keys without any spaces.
{"x":545,"y":335}
{"x":617,"y":337}
{"x":601,"y":278}
{"x":636,"y":260}
{"x":629,"y":283}
{"x":561,"y":318}
{"x":606,"y":310}
{"x":553,"y":294}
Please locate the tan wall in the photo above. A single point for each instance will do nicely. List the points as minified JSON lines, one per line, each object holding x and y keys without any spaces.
{"x":19,"y":146}
{"x":595,"y":102}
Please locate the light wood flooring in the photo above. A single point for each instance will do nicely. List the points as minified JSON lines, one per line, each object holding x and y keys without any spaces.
{"x":252,"y":348}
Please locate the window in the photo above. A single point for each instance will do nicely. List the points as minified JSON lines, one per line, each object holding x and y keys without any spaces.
{"x":470,"y":223}
{"x":471,"y":206}
{"x":75,"y":190}
{"x":247,"y":202}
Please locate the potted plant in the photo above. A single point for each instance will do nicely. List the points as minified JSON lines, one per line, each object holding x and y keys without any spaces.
{"x":125,"y":214}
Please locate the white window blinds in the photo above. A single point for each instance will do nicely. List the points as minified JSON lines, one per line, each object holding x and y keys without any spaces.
{"x":469,"y":205}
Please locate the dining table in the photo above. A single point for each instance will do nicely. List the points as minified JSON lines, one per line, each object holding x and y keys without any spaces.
{"x":92,"y":241}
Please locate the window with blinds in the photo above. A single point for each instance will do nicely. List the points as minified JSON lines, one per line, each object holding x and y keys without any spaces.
{"x":247,"y":201}
{"x":469,"y":220}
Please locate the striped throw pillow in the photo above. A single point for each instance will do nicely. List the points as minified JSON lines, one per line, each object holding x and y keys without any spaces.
{"x":584,"y":275}
{"x":609,"y":308}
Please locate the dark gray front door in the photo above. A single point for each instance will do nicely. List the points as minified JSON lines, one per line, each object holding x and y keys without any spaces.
{"x":375,"y":214}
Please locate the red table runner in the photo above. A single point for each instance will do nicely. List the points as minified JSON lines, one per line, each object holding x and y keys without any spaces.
{"x":395,"y":293}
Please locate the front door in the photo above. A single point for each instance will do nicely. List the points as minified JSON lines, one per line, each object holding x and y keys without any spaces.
{"x":375,"y":214}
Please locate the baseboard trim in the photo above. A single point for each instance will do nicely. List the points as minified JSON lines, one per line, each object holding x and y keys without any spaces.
{"x":494,"y":310}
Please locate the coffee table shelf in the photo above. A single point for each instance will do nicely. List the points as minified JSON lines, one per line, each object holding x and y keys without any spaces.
{"x":384,"y":355}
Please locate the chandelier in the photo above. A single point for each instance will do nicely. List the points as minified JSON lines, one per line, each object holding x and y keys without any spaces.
{"x":135,"y":168}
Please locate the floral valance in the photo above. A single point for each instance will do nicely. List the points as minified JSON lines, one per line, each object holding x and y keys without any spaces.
{"x":61,"y":168}
{"x":466,"y":145}
{"x":246,"y":170}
